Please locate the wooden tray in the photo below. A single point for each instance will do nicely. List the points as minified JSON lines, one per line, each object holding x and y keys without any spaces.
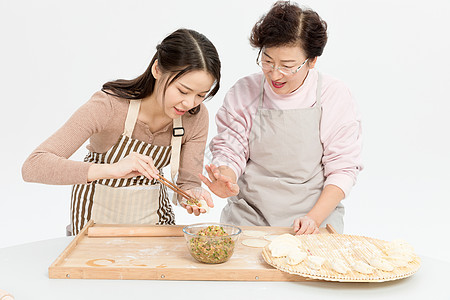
{"x":349,"y":248}
{"x":158,"y":252}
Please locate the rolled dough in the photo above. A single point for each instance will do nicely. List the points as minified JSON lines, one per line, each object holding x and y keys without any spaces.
{"x":254,"y":233}
{"x":255,"y":243}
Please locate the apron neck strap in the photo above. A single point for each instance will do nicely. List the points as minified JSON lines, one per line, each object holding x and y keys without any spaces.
{"x":319,"y":89}
{"x":132,"y":115}
{"x":261,"y":93}
{"x":177,"y":134}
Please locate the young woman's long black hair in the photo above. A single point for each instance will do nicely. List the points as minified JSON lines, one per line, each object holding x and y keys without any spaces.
{"x":181,"y":52}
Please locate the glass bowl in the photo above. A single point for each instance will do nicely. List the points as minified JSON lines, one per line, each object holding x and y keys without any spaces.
{"x":211,"y":243}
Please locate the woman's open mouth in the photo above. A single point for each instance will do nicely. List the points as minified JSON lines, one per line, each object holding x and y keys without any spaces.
{"x":179,"y":111}
{"x":278,"y":85}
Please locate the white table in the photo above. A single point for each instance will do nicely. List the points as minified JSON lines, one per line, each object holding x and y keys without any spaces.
{"x":23,"y":273}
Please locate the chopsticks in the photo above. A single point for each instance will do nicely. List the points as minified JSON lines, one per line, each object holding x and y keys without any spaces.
{"x":173,"y":187}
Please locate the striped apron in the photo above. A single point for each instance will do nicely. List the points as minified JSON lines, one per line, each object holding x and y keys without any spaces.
{"x":136,"y":200}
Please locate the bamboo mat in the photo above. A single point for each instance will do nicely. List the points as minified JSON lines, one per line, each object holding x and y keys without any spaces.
{"x":349,"y":248}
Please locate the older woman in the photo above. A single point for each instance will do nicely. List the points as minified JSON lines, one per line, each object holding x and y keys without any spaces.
{"x":288,"y":146}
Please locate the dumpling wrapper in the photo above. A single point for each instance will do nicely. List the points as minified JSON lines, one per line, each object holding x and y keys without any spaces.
{"x":255,"y":243}
{"x":270,"y":237}
{"x":289,"y":238}
{"x":202,"y":204}
{"x":254,"y":233}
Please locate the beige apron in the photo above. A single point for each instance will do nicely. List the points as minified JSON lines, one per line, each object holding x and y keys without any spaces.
{"x":284,"y":176}
{"x":136,"y":200}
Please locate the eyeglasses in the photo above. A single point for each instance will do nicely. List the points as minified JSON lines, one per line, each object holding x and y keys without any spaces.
{"x":266,"y":66}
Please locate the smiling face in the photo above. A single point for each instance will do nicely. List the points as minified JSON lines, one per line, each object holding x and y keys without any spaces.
{"x":184,"y":93}
{"x":290,"y":57}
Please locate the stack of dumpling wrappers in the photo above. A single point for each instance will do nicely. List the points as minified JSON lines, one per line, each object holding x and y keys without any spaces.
{"x":339,"y":257}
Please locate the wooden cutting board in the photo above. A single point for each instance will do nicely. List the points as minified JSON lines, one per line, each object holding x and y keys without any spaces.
{"x":158,"y":252}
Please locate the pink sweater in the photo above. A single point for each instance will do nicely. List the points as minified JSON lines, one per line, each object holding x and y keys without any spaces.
{"x":340,"y":128}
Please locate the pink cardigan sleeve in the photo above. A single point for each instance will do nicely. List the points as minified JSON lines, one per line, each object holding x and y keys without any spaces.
{"x":341,"y":137}
{"x":234,"y":122}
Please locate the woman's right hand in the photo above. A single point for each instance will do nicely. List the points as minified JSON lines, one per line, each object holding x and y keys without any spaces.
{"x":134,"y":164}
{"x":219,"y":183}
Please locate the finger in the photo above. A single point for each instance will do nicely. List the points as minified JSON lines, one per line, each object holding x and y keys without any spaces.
{"x":142,"y":169}
{"x":196,"y":210}
{"x":205,"y":180}
{"x":234,"y":188}
{"x":189,"y":209}
{"x":148,"y":161}
{"x":210,"y":173}
{"x":303,"y":227}
{"x":132,"y":174}
{"x":148,"y":170}
{"x":142,"y":160}
{"x":207,"y":197}
{"x":316,"y":231}
{"x":215,"y":171}
{"x":296,"y":225}
{"x":309,"y":229}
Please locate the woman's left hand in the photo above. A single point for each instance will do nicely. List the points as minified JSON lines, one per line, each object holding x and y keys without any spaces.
{"x":199,"y":194}
{"x":305,"y":225}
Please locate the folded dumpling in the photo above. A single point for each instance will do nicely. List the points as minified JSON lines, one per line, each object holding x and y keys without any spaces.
{"x":339,"y":266}
{"x":380,"y":263}
{"x":362,"y":267}
{"x":399,"y":261}
{"x":295,"y":257}
{"x":315,"y":262}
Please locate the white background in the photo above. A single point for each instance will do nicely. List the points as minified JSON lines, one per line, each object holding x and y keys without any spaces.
{"x":394,"y":56}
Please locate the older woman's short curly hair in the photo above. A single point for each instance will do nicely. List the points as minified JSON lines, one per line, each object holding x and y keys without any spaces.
{"x":288,"y":24}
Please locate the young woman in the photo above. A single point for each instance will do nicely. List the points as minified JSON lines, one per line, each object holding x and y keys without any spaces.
{"x":289,"y":139}
{"x":135,"y":128}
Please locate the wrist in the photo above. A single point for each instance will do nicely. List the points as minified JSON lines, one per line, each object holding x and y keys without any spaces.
{"x":314,"y":218}
{"x":99,"y":171}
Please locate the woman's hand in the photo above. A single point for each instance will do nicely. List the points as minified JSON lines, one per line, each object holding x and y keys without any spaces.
{"x":220,"y":184}
{"x":199,"y":194}
{"x":305,"y":225}
{"x":134,"y":164}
